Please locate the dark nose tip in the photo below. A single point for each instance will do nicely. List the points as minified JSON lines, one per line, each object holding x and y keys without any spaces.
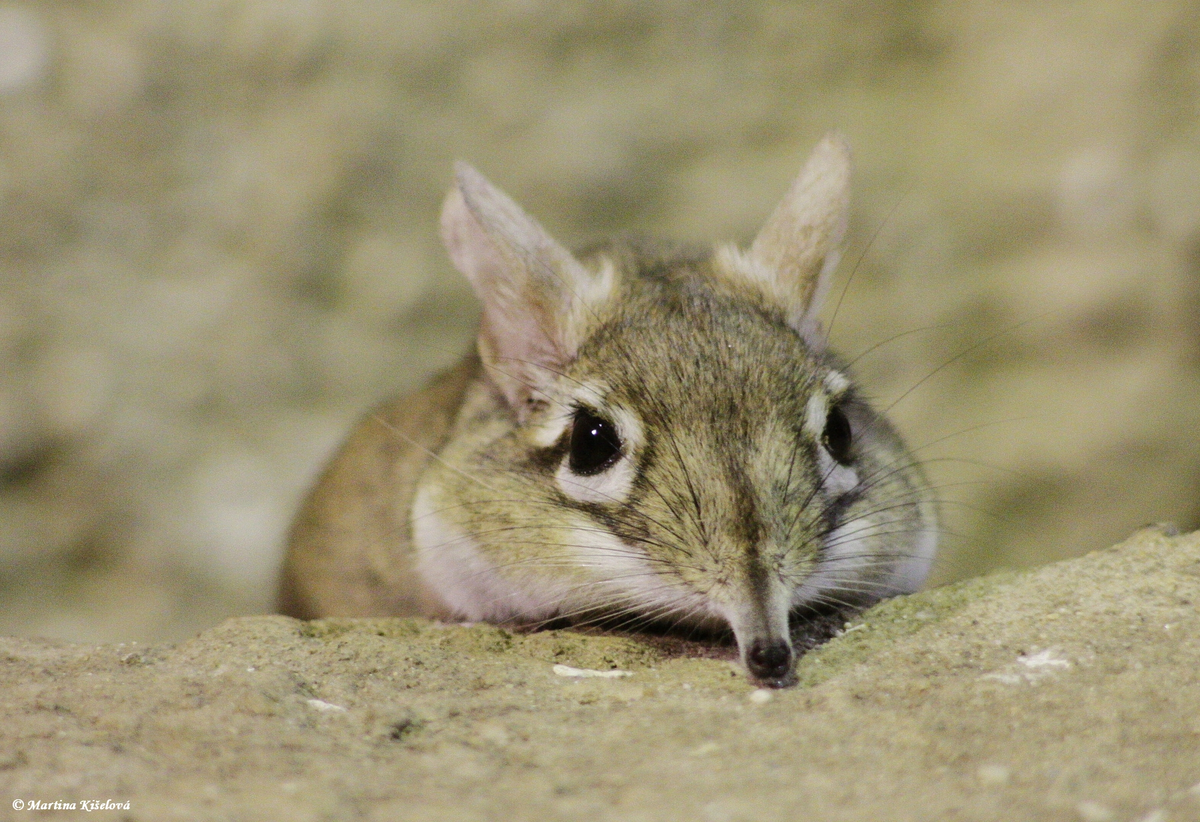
{"x":769,"y":659}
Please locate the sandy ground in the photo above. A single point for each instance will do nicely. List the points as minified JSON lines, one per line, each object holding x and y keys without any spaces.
{"x":1066,"y":693}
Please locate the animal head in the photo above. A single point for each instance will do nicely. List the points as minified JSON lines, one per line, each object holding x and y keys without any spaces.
{"x":673,"y":441}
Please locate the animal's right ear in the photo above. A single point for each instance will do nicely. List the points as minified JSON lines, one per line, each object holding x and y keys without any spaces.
{"x":800,"y":245}
{"x":530,"y":286}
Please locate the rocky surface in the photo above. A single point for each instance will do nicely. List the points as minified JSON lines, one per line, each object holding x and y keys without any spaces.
{"x":218,"y":247}
{"x":1066,"y":693}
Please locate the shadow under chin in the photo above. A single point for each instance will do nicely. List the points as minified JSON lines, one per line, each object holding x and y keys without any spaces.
{"x":704,"y":641}
{"x":813,"y":626}
{"x":810,"y":627}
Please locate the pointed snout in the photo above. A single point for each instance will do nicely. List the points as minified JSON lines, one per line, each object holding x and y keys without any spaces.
{"x":760,"y":625}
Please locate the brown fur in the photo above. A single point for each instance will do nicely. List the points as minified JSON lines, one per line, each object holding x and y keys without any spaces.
{"x":350,"y":548}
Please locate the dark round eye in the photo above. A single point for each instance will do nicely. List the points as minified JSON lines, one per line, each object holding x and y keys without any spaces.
{"x":594,"y":443}
{"x":838,"y":436}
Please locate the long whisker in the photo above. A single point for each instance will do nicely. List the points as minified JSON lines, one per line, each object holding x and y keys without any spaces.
{"x":863,"y":255}
{"x":968,"y":350}
{"x":433,"y":455}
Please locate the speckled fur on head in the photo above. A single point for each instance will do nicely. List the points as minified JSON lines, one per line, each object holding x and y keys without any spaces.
{"x":732,"y":475}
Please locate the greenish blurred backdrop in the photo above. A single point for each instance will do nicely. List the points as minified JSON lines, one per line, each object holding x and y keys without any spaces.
{"x":218,"y":246}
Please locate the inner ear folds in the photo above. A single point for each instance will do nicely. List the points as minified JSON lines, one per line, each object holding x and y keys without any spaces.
{"x":800,"y":244}
{"x":527,"y":282}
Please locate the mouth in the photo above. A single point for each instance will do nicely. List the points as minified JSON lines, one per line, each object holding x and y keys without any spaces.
{"x":783,"y":682}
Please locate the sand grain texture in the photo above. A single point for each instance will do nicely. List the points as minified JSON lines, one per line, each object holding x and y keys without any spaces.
{"x":1069,"y":692}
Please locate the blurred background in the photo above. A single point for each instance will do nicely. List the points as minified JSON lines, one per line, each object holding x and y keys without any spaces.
{"x":218,"y":247}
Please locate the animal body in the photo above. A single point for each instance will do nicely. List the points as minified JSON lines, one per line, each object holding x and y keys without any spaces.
{"x":644,"y":433}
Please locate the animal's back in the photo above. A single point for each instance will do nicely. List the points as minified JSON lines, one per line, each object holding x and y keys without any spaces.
{"x":350,"y":549}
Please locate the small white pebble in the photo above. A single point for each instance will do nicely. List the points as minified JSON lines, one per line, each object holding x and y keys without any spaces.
{"x":1044,"y":659}
{"x":567,"y":670}
{"x":250,"y":670}
{"x":1090,"y":811}
{"x":327,"y":707}
{"x":760,"y":696}
{"x":704,"y":749}
{"x":993,"y":774}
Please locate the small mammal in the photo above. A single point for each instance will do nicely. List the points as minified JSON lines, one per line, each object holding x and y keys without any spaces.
{"x":643,"y":432}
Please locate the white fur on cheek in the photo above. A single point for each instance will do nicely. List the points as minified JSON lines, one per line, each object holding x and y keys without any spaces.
{"x":837,"y":479}
{"x":628,"y":581}
{"x":912,"y":571}
{"x":848,"y":559}
{"x":450,"y":562}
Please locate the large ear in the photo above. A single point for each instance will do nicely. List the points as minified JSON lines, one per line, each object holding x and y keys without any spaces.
{"x":527,"y":282}
{"x":801,"y":243}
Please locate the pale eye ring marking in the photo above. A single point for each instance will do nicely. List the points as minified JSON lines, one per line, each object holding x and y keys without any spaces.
{"x":827,"y":423}
{"x":601,"y":442}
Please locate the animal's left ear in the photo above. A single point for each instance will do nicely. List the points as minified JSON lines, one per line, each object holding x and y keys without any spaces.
{"x":532,"y":289}
{"x":800,"y":245}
